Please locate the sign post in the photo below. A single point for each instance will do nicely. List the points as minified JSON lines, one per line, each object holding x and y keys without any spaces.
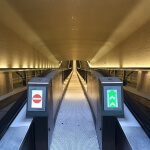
{"x":112,"y":107}
{"x":38,"y":107}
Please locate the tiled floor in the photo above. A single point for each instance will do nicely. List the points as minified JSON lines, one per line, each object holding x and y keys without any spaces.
{"x":74,"y":129}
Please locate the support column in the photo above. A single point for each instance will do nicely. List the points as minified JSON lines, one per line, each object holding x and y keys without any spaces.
{"x":6,"y":83}
{"x":143,"y":82}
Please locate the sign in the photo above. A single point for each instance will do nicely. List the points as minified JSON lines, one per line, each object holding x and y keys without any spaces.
{"x":112,"y":101}
{"x":36,"y":99}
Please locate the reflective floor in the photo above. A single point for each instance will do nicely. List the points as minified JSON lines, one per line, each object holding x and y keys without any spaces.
{"x":74,"y":128}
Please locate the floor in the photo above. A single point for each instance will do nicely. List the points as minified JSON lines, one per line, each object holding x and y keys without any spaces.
{"x":74,"y":128}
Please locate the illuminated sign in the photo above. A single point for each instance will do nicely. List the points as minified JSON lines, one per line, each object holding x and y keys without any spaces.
{"x":112,"y":100}
{"x":36,"y":99}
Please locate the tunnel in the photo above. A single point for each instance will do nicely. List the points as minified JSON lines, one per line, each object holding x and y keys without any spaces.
{"x":73,"y":44}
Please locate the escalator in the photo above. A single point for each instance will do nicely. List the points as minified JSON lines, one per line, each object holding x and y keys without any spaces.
{"x":74,"y":128}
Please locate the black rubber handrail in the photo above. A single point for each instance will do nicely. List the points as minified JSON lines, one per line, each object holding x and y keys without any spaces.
{"x":12,"y":113}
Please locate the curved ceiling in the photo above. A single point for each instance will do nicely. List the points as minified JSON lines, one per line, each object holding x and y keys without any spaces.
{"x":74,"y":29}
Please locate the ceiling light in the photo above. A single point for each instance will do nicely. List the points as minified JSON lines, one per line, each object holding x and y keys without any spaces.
{"x":74,"y":17}
{"x":74,"y":29}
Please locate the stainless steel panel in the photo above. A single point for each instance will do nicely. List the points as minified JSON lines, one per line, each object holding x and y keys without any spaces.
{"x":57,"y":89}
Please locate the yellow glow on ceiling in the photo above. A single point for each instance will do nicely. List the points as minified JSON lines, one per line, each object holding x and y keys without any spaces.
{"x":20,"y":27}
{"x":136,"y":18}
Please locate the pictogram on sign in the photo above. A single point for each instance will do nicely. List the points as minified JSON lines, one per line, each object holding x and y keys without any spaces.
{"x":112,"y":101}
{"x":36,"y":99}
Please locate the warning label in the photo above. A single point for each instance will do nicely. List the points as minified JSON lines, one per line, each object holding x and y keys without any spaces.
{"x":36,"y":99}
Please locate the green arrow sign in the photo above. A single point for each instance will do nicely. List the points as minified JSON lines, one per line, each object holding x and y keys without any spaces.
{"x":112,"y":101}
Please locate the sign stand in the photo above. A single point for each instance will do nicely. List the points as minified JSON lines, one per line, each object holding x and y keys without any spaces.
{"x":112,"y":107}
{"x":39,"y":106}
{"x":108,"y":133}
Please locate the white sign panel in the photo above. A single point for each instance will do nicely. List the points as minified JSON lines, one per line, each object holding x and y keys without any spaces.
{"x":36,"y":99}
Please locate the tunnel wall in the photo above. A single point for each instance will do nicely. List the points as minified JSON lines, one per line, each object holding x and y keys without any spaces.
{"x":143,"y":82}
{"x":138,"y":79}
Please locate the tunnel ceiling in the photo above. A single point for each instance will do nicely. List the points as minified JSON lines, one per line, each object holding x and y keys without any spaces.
{"x":75,"y":29}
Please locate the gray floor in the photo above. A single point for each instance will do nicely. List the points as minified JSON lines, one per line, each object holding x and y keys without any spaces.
{"x":74,"y":129}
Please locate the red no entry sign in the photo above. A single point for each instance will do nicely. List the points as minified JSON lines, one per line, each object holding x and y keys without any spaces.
{"x":37,"y":98}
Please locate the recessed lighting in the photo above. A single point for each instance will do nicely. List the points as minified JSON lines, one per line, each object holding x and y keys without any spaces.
{"x":74,"y":17}
{"x":74,"y":29}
